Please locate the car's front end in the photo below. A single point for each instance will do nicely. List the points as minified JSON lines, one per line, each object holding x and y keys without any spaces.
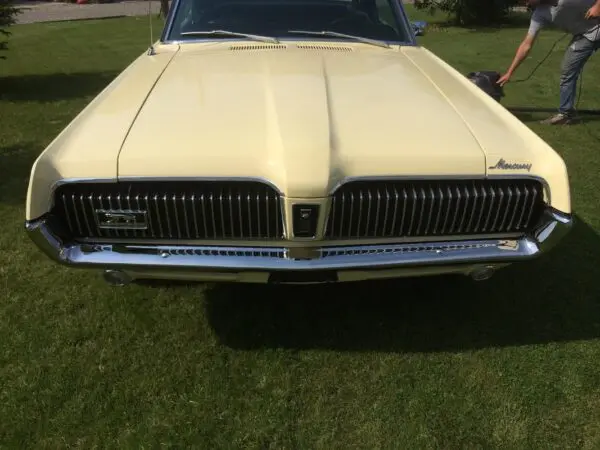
{"x":246,"y":231}
{"x":307,"y":160}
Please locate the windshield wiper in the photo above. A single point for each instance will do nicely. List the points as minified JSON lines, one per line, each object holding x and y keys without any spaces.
{"x":254,"y":37}
{"x":343,"y":35}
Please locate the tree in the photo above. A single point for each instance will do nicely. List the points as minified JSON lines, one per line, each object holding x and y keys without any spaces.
{"x":471,"y":12}
{"x":164,"y":8}
{"x":8,"y":11}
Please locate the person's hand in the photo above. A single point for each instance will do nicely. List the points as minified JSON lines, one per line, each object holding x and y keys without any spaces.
{"x":593,"y":12}
{"x":504,"y":79}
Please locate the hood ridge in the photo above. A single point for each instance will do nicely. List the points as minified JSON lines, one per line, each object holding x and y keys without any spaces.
{"x":304,"y":120}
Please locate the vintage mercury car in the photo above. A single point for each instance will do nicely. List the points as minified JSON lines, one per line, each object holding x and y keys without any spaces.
{"x":294,"y":141}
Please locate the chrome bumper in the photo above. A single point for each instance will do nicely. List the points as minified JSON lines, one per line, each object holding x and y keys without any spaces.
{"x":134,"y":257}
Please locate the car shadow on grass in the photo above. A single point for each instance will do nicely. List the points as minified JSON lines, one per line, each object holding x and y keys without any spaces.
{"x":552,"y":299}
{"x":53,"y":87}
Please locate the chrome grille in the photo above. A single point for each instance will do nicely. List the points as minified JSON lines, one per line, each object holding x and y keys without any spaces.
{"x":389,"y":209}
{"x":171,"y":210}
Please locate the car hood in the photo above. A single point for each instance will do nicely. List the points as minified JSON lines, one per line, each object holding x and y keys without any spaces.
{"x":302,"y":118}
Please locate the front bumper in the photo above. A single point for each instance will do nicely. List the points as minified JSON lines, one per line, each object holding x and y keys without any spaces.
{"x":188,"y":262}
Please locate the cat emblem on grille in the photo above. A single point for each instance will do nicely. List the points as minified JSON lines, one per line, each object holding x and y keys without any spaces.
{"x":121,"y":219}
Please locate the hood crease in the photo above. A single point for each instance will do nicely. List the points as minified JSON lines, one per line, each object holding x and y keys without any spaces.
{"x":142,"y":106}
{"x":458,"y":113}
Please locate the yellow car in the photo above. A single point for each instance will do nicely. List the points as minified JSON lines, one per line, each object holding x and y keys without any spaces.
{"x":294,"y":141}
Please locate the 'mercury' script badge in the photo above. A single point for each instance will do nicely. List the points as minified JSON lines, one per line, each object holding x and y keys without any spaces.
{"x":503,"y":165}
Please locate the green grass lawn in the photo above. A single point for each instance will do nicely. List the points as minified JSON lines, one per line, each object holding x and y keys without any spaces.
{"x":426,"y":363}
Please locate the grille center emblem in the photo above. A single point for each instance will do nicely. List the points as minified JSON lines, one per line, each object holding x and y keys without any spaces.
{"x":305,"y":218}
{"x":121,"y":219}
{"x":305,"y":213}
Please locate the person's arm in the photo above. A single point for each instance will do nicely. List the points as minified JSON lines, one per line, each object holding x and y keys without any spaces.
{"x":594,"y":11}
{"x":538,"y":18}
{"x":521,"y":54}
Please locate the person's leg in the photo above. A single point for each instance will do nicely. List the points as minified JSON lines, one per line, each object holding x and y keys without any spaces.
{"x":577,"y":54}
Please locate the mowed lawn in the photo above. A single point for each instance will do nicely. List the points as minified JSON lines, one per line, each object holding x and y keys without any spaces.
{"x":426,"y":363}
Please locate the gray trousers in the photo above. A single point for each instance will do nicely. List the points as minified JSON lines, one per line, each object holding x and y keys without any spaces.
{"x":577,"y":54}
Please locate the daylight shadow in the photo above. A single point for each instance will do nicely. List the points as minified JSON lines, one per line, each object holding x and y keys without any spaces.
{"x":53,"y":87}
{"x":15,"y":163}
{"x":530,"y":114}
{"x":513,"y":20}
{"x":530,"y":109}
{"x":552,"y":299}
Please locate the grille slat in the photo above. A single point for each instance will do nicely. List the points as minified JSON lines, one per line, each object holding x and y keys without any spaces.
{"x":421,"y":211}
{"x":249,"y":204}
{"x":174,"y":204}
{"x":456,"y":210}
{"x":465,"y":210}
{"x":276,"y":216}
{"x":405,"y":196}
{"x":413,"y":209}
{"x":268,"y":202}
{"x":119,"y":207}
{"x":514,"y":209}
{"x":186,"y":221}
{"x":492,"y":195}
{"x":482,"y":210}
{"x":222,"y":209}
{"x":195,"y":214}
{"x":377,"y":216}
{"x":73,"y":203}
{"x":431,"y":206}
{"x":166,"y":214}
{"x":507,"y":209}
{"x":434,"y":208}
{"x":533,"y":200}
{"x":85,"y":216}
{"x":351,"y":211}
{"x":522,"y":215}
{"x":258,"y":213}
{"x":109,"y":207}
{"x":67,"y":212}
{"x":498,"y":211}
{"x":360,"y":196}
{"x":172,"y":210}
{"x":158,"y":218}
{"x":231,"y":219}
{"x":369,"y":198}
{"x":449,"y":205}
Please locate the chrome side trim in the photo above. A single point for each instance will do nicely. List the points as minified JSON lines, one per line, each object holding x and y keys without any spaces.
{"x":553,"y":227}
{"x":297,"y":243}
{"x":271,"y":259}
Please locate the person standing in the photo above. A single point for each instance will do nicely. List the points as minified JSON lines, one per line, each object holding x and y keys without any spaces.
{"x":580,"y":18}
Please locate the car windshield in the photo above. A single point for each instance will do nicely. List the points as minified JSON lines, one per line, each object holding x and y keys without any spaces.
{"x":269,"y":20}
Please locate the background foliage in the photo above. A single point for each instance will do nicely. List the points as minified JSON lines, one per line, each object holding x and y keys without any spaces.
{"x":471,"y":12}
{"x":8,"y":11}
